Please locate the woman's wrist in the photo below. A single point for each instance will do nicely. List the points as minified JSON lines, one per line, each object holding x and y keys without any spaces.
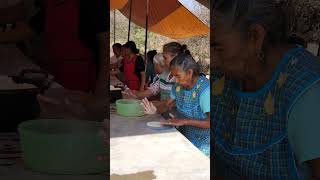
{"x":184,"y":122}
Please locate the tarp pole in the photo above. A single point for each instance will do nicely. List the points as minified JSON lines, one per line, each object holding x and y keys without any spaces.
{"x":114,"y":26}
{"x":146,"y":40}
{"x":130,"y":19}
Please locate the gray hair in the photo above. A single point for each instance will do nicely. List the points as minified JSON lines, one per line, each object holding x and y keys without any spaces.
{"x":158,"y":59}
{"x":241,"y":14}
{"x":186,"y":62}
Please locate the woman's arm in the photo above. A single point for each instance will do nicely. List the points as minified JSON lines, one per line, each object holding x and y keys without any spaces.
{"x":165,"y":105}
{"x":143,"y":80}
{"x":190,"y":122}
{"x":144,"y":94}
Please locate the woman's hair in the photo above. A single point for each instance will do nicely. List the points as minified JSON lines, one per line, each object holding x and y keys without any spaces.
{"x":158,"y":59}
{"x":241,"y":14}
{"x":117,"y":45}
{"x":132,"y":46}
{"x":186,"y":62}
{"x":173,"y":47}
{"x":150,"y":55}
{"x":295,"y":39}
{"x":185,"y":49}
{"x":176,"y":48}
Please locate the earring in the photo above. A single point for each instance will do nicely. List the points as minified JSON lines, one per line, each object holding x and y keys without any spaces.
{"x":261,"y":57}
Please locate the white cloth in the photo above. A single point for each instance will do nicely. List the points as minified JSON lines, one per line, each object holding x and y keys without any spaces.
{"x":114,"y":59}
{"x":155,"y":86}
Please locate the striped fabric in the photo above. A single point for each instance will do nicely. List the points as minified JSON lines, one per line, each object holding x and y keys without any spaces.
{"x":166,"y":84}
{"x":250,"y":129}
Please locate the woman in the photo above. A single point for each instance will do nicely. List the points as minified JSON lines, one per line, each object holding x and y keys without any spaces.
{"x":115,"y":62}
{"x":150,"y":72}
{"x":75,"y":39}
{"x":264,"y":115}
{"x":191,"y":93}
{"x":133,"y":67}
{"x":154,"y":88}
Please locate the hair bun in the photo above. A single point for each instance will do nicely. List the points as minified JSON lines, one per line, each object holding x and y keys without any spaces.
{"x":184,"y":47}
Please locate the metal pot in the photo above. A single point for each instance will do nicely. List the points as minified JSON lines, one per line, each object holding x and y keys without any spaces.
{"x":18,"y":96}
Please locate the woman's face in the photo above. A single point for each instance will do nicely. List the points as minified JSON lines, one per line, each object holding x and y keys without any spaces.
{"x":167,"y":58}
{"x":123,"y":53}
{"x":183,"y":78}
{"x":117,"y":51}
{"x":158,"y":68}
{"x":127,"y":51}
{"x":231,"y":51}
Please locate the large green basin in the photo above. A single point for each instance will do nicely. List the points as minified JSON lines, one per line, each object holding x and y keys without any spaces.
{"x":62,"y":146}
{"x":129,"y":107}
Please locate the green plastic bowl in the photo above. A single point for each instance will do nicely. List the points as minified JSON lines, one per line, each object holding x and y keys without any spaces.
{"x":129,"y":107}
{"x":62,"y":146}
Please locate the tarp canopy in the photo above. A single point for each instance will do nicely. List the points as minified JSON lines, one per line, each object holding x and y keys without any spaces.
{"x":117,"y":4}
{"x":166,"y":17}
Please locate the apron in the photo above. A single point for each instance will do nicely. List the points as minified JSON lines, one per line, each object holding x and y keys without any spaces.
{"x":131,"y":79}
{"x":188,"y":105}
{"x":70,"y":61}
{"x":250,"y":129}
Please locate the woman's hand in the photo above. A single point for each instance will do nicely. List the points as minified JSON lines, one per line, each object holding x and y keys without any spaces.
{"x":148,"y":107}
{"x":170,"y":103}
{"x":174,"y":122}
{"x":129,"y":94}
{"x":66,"y":103}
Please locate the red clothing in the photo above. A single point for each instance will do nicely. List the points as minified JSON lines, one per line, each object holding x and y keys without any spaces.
{"x":70,"y":60}
{"x":131,"y":79}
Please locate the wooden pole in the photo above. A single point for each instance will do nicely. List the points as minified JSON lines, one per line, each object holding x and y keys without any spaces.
{"x":146,"y":40}
{"x":114,"y":26}
{"x":130,"y":19}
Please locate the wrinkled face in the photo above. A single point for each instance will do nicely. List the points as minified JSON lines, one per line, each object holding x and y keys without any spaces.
{"x":158,"y":68}
{"x":168,"y":57}
{"x":183,"y":78}
{"x":117,"y":51}
{"x":231,"y":50}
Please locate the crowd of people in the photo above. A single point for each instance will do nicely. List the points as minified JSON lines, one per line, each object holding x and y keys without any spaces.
{"x":264,"y":89}
{"x":173,"y":81}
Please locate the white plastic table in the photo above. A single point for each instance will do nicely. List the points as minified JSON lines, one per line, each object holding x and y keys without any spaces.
{"x":165,"y":154}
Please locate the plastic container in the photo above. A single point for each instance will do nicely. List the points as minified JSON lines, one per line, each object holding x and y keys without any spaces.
{"x":129,"y":107}
{"x":62,"y":146}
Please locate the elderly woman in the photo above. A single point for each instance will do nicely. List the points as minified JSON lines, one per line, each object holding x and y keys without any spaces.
{"x":191,"y":93}
{"x":264,"y":112}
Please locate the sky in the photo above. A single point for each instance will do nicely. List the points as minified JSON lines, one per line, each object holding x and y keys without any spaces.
{"x":189,"y":4}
